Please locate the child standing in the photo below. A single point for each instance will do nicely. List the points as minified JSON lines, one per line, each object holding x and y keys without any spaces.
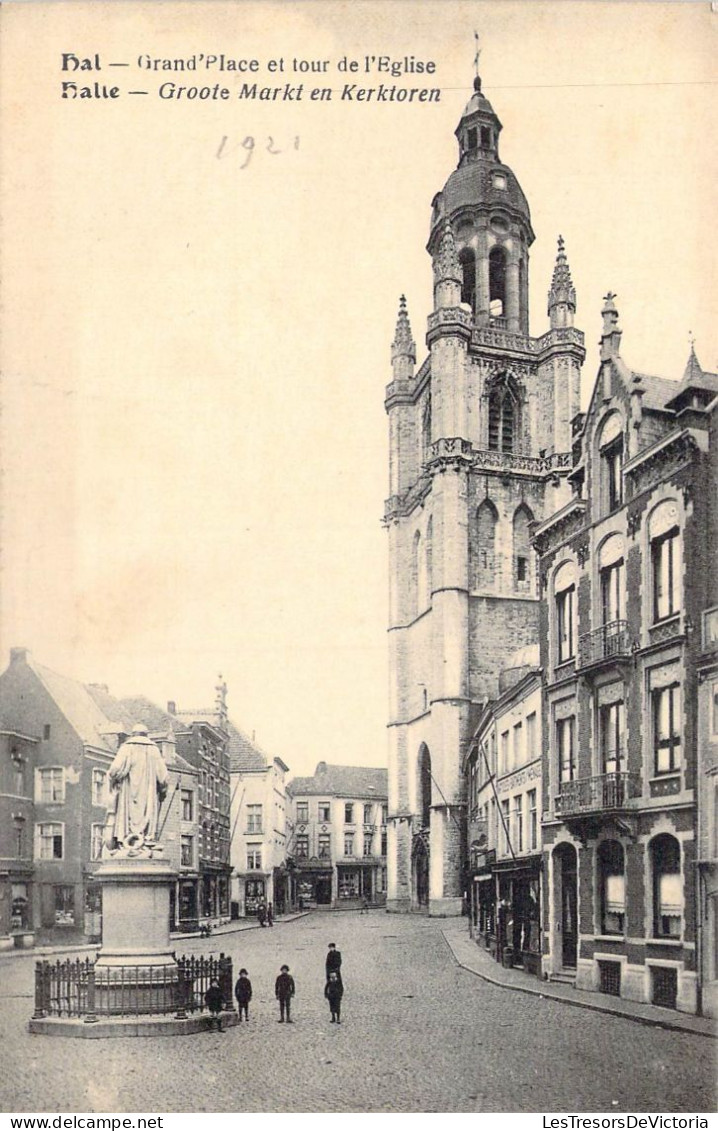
{"x":284,"y":992}
{"x":214,"y":1002}
{"x":243,"y":994}
{"x":333,"y":992}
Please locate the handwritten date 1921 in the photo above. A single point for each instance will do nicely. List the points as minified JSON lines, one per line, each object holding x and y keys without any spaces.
{"x":245,"y":149}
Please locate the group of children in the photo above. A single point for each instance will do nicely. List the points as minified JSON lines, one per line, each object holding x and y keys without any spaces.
{"x":284,"y":990}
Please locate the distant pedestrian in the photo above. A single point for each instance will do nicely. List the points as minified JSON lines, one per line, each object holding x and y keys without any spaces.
{"x":364,"y":906}
{"x":243,"y":993}
{"x":214,"y":1001}
{"x":262,"y":915}
{"x":333,"y":963}
{"x":333,"y":992}
{"x":270,"y":915}
{"x":284,"y":992}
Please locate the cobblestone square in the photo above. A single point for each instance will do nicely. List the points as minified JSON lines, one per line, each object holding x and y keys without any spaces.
{"x":418,"y":1034}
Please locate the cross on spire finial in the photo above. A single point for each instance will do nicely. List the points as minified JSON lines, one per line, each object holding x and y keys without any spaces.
{"x":477,"y":80}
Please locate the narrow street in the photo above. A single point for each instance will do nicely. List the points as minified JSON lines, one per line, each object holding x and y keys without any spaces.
{"x":419,"y":1034}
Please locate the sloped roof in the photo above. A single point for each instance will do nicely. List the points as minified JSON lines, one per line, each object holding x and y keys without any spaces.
{"x":131,"y":710}
{"x":244,"y":755}
{"x":694,"y":375}
{"x":342,"y":781}
{"x":658,"y":390}
{"x":77,"y":705}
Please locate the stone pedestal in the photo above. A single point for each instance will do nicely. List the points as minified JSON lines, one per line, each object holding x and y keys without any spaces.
{"x":136,"y":972}
{"x":135,"y":910}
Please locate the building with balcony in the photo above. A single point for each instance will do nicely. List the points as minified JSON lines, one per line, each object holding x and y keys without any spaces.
{"x":480,"y":448}
{"x":707,"y":770}
{"x":625,"y":570}
{"x":503,"y":779}
{"x":338,"y":844}
{"x":259,"y":827}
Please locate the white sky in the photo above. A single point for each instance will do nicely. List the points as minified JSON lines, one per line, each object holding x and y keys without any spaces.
{"x":194,"y":442}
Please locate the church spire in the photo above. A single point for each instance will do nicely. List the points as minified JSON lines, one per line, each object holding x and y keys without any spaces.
{"x":562,"y":295}
{"x":403,"y":348}
{"x":693,"y":370}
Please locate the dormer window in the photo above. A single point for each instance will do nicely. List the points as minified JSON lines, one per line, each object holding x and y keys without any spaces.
{"x":499,"y":181}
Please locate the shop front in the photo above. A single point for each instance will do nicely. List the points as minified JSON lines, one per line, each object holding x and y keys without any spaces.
{"x":15,"y":910}
{"x":187,"y":904}
{"x":314,"y":883}
{"x":518,"y":919}
{"x":483,"y":900}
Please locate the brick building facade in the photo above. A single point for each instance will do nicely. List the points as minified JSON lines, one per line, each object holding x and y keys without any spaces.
{"x":625,"y":568}
{"x":480,"y":441}
{"x":259,"y":828}
{"x":57,"y":739}
{"x":503,"y":775}
{"x":338,"y":842}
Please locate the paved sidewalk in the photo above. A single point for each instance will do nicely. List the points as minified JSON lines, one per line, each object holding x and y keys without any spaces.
{"x":478,"y":960}
{"x":176,"y":936}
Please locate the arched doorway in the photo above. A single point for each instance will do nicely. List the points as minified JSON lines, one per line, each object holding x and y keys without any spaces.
{"x":420,"y":849}
{"x":566,"y":903}
{"x":420,"y":869}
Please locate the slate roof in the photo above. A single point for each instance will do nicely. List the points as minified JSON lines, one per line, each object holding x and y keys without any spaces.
{"x":132,"y":709}
{"x":342,"y":781}
{"x":695,"y":376}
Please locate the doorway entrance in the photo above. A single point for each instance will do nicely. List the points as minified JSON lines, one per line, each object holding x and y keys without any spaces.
{"x":420,"y":869}
{"x":566,"y":861}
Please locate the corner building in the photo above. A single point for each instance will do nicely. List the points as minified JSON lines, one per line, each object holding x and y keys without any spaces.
{"x":480,"y":441}
{"x":627,"y":569}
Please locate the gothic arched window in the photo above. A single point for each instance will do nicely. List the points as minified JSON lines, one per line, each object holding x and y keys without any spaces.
{"x":503,"y":415}
{"x":522,"y":548}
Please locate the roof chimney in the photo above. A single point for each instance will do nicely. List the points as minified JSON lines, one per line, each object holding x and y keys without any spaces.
{"x":321,"y":768}
{"x":18,"y":655}
{"x":171,"y":707}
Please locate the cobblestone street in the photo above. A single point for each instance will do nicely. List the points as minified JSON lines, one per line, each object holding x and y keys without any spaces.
{"x":419,"y":1034}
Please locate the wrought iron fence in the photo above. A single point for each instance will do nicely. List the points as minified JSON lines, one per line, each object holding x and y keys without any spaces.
{"x":80,"y":989}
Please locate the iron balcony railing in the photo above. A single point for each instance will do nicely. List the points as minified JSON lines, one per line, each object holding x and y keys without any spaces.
{"x":604,"y":791}
{"x":604,"y":643}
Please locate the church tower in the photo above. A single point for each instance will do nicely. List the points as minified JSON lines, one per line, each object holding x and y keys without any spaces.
{"x":480,"y":442}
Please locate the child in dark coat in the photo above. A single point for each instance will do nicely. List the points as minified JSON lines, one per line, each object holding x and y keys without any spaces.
{"x":243,"y":994}
{"x":333,"y":992}
{"x":214,"y":1001}
{"x":284,"y":992}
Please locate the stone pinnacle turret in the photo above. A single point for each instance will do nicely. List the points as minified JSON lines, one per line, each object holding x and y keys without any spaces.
{"x":403,"y":348}
{"x":562,"y":295}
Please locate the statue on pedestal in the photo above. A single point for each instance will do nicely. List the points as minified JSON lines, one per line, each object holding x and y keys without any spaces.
{"x":138,"y":778}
